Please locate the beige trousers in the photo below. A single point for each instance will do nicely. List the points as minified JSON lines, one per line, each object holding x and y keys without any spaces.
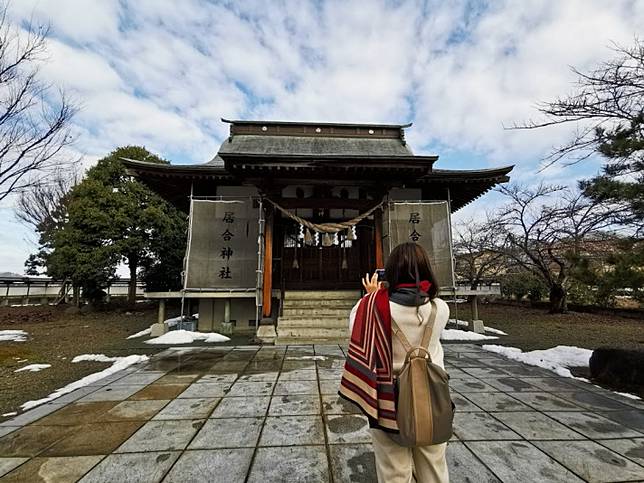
{"x":394,"y":462}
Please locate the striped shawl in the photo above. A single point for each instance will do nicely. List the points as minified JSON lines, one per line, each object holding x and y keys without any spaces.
{"x":367,"y":379}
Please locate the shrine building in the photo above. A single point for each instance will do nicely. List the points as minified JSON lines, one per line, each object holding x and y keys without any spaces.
{"x":288,"y":216}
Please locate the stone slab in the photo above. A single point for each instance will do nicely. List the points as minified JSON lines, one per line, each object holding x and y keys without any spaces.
{"x":243,"y":407}
{"x":292,"y":430}
{"x":133,"y":410}
{"x":592,"y":461}
{"x":31,"y":440}
{"x":216,"y":466}
{"x":93,"y":439}
{"x":337,"y":405}
{"x":112,"y":393}
{"x":53,"y":470}
{"x":296,"y":387}
{"x":481,"y":426}
{"x":632,"y":448}
{"x":293,"y":405}
{"x":347,"y":428}
{"x":464,"y":466}
{"x":228,"y":433}
{"x":593,"y":425}
{"x":132,"y":467}
{"x":533,"y":425}
{"x":32,"y":415}
{"x":198,"y":408}
{"x":353,"y":463}
{"x":159,"y":392}
{"x":206,"y":390}
{"x":251,"y":389}
{"x":161,"y":436}
{"x":293,"y":464}
{"x":77,"y":413}
{"x":543,"y":401}
{"x":8,"y":464}
{"x":496,"y":401}
{"x":520,"y":461}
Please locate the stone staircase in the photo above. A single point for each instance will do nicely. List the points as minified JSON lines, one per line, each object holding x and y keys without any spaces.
{"x":315,"y":317}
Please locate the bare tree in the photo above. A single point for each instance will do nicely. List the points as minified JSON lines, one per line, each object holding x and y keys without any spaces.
{"x":474,"y":247}
{"x":33,"y":119}
{"x":43,"y":206}
{"x":608,"y":99}
{"x":545,"y":235}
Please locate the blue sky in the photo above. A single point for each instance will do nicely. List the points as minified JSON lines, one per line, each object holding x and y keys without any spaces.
{"x":162,"y":73}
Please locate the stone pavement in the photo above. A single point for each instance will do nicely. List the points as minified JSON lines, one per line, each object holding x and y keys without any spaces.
{"x":246,"y":414}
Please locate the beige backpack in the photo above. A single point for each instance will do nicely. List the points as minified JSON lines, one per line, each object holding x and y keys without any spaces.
{"x":424,"y":408}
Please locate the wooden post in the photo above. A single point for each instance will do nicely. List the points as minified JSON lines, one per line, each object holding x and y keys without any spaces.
{"x":267,"y":292}
{"x":377,"y":216}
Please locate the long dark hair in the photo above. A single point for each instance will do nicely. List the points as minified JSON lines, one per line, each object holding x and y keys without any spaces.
{"x":409,"y":263}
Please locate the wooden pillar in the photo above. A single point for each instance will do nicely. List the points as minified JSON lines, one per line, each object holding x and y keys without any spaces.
{"x":380,"y":261}
{"x":267,"y":291}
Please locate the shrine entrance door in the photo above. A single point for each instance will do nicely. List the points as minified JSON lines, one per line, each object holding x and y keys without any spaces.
{"x":338,"y":267}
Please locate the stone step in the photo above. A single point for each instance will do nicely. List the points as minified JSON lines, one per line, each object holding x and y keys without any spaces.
{"x":322,"y":295}
{"x":312,"y":333}
{"x":318,"y":303}
{"x":315,"y":312}
{"x":300,"y":341}
{"x":308,"y":322}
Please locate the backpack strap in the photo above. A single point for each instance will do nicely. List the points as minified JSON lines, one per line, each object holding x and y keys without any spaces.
{"x":427,"y":333}
{"x":395,"y":329}
{"x":429,"y":328}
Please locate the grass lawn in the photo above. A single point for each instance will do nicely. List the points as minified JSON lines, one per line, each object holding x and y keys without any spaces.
{"x":56,"y":338}
{"x":531,"y":329}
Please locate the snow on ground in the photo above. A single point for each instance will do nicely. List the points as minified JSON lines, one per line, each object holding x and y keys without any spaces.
{"x":457,"y":334}
{"x":140,"y":334}
{"x":118,"y":364}
{"x":187,"y":337}
{"x":33,"y":368}
{"x":13,"y":335}
{"x":6,"y":415}
{"x":556,"y":359}
{"x":465,"y":323}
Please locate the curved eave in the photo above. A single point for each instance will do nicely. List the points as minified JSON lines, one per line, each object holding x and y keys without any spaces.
{"x":200,"y":171}
{"x":467,"y":186}
{"x":313,"y":123}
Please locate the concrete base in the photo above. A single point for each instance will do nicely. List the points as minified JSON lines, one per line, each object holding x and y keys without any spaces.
{"x":226,"y":328}
{"x":477,"y":326}
{"x":157,"y":330}
{"x":267,"y":334}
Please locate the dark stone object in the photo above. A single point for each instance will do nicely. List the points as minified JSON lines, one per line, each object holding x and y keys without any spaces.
{"x":618,"y":367}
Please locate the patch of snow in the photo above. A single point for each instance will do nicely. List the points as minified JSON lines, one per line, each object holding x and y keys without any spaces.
{"x":187,"y":337}
{"x":628,"y":395}
{"x":556,"y":359}
{"x":13,"y":335}
{"x":33,"y":368}
{"x":465,"y":323}
{"x":119,"y":363}
{"x":457,"y":334}
{"x":6,"y":415}
{"x":492,"y":330}
{"x":175,"y":320}
{"x":140,"y":334}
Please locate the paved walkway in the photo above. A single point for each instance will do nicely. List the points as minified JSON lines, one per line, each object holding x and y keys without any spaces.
{"x":272,"y":415}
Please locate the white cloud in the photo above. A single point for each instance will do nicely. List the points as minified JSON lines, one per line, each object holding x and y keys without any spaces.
{"x":162,"y":73}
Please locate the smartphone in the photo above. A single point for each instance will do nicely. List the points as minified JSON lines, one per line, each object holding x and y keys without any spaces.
{"x":381,"y":274}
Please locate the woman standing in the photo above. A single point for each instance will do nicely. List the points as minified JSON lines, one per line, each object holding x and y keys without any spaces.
{"x":411,"y":287}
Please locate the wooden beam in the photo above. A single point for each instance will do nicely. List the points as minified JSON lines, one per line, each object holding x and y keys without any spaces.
{"x":326,"y":203}
{"x":380,"y":261}
{"x":267,"y":289}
